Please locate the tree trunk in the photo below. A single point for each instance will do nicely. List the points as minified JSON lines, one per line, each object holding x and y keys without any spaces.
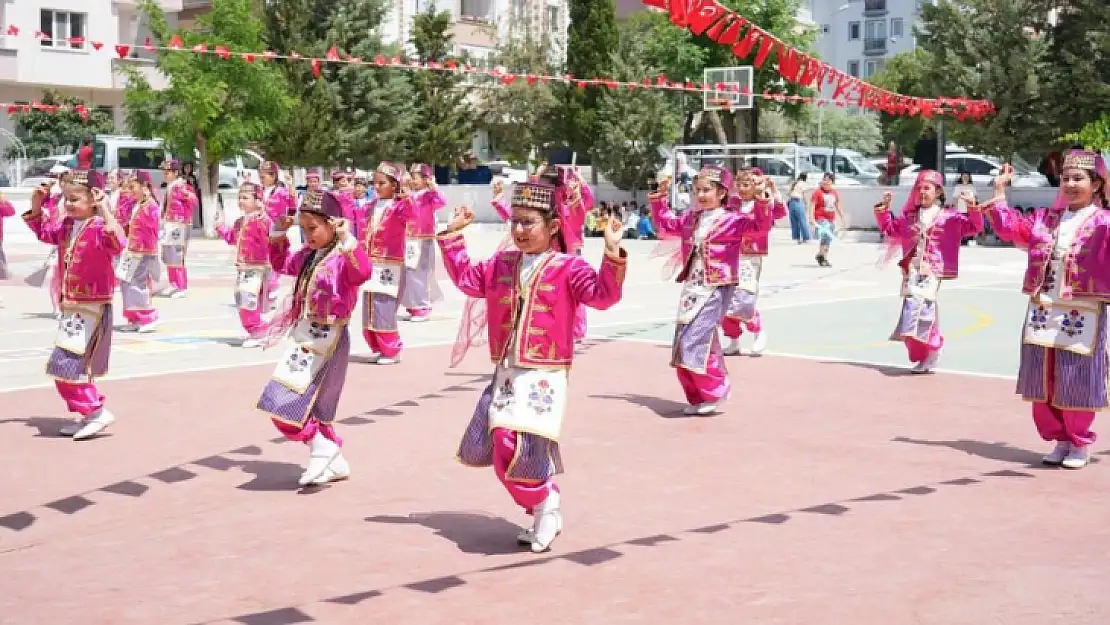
{"x":209,"y":179}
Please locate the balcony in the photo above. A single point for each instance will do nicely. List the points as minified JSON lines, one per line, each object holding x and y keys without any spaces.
{"x":146,"y":68}
{"x":874,"y":47}
{"x":9,"y":67}
{"x":874,"y":8}
{"x":476,"y":11}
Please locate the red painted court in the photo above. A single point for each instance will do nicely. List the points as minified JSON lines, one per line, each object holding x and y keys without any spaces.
{"x":828,"y":493}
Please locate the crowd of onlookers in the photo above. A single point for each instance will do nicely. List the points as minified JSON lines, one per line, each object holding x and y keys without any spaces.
{"x":636,"y":220}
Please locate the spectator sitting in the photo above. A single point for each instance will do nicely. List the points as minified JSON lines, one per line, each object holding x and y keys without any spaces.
{"x":631,"y":222}
{"x":645,"y":228}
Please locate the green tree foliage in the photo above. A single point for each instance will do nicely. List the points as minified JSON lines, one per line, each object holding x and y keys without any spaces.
{"x":995,"y":50}
{"x":826,"y":126}
{"x":214,"y":105}
{"x":633,"y":124}
{"x":591,"y":41}
{"x":517,"y":116}
{"x":48,"y":134}
{"x":351,"y":114}
{"x":443,"y":130}
{"x":1080,"y":69}
{"x":905,"y":74}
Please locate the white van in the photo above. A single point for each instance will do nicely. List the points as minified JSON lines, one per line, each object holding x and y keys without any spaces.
{"x":846,"y":164}
{"x":114,"y":152}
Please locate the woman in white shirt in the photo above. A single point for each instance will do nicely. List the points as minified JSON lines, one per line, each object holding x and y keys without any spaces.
{"x":796,"y":209}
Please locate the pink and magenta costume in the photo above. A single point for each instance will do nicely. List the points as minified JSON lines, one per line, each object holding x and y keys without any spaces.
{"x":712,"y":242}
{"x":6,"y":210}
{"x":742,"y":312}
{"x":1064,"y":361}
{"x":529,"y":299}
{"x":87,"y":252}
{"x":384,"y":243}
{"x":928,"y":240}
{"x":177,"y":225}
{"x":250,"y":234}
{"x":420,"y":289}
{"x":138,"y":267}
{"x":573,"y":200}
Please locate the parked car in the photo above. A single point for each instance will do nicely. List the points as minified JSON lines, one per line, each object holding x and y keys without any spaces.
{"x":846,"y":164}
{"x":36,"y":172}
{"x":236,"y":169}
{"x":982,"y":168}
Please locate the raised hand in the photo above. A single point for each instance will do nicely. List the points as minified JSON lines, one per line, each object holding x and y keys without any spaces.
{"x":664,"y":187}
{"x":342,"y":229}
{"x":462,"y":218}
{"x":613,"y":233}
{"x":1003,"y":179}
{"x":283,"y":223}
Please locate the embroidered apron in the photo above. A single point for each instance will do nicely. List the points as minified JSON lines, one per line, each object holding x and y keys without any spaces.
{"x":413,"y":249}
{"x":172,"y":234}
{"x":528,"y":400}
{"x":126,"y":266}
{"x":248,"y":284}
{"x":695,"y":293}
{"x":76,"y":326}
{"x":919,"y":282}
{"x":313,"y":344}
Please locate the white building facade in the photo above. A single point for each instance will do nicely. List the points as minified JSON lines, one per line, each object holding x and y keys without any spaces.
{"x":66,"y":59}
{"x":858,"y":36}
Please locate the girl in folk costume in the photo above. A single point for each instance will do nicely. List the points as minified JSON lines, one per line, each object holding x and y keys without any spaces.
{"x":279,"y":202}
{"x":927,"y":236}
{"x":311,"y":182}
{"x":420,"y":286}
{"x":113,"y":189}
{"x":827,"y":214}
{"x":250,"y":234}
{"x":177,"y":224}
{"x":712,"y":237}
{"x":1064,"y":361}
{"x":363,"y":198}
{"x":752,"y":189}
{"x":137,"y":269}
{"x":303,"y":394}
{"x":88,"y":239}
{"x":529,"y":294}
{"x":384,"y":241}
{"x":6,"y":210}
{"x":573,"y":199}
{"x":52,"y":211}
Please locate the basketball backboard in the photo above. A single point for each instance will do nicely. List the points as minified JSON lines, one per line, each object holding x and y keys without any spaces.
{"x":739,"y":95}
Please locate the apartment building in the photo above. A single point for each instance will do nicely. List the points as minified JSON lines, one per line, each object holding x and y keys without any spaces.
{"x":858,"y":36}
{"x":479,"y":26}
{"x":67,"y":61}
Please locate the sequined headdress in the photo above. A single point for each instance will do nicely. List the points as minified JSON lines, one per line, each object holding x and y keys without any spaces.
{"x":322,"y":203}
{"x":253,"y":188}
{"x":269,"y":167}
{"x":930,"y":176}
{"x":533,"y":195}
{"x":422,"y":170}
{"x":717,"y":175}
{"x":391,"y":170}
{"x":88,"y":178}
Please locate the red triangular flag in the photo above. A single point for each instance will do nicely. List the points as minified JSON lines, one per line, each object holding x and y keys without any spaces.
{"x":123,"y":50}
{"x":707,"y":13}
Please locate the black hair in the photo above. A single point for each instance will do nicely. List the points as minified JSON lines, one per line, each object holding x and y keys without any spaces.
{"x":315,"y":257}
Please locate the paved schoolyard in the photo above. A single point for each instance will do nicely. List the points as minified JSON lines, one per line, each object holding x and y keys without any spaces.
{"x":835,"y":489}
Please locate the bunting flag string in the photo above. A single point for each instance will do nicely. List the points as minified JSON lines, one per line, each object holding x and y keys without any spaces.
{"x":724,"y":27}
{"x":498,"y":76}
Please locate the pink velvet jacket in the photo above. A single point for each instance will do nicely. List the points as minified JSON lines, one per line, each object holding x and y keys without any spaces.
{"x":722,"y":249}
{"x":501,"y":207}
{"x":87,"y":268}
{"x":943,"y":238}
{"x":6,"y":210}
{"x":1087,"y":267}
{"x":422,"y":220}
{"x":757,"y":243}
{"x":279,"y":202}
{"x":179,"y":204}
{"x":250,"y":234}
{"x":386,"y":242}
{"x":125,"y":204}
{"x":574,"y":215}
{"x":331,"y":293}
{"x":544,"y":337}
{"x":142,"y":227}
{"x":355,"y":214}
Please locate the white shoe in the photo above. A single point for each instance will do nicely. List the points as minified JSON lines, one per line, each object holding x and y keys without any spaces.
{"x":760,"y":343}
{"x":733,"y":347}
{"x":94,"y":424}
{"x":927,"y":365}
{"x":250,"y":343}
{"x":73,"y":428}
{"x":419,"y":319}
{"x":404,"y":315}
{"x":548,"y":523}
{"x":1056,"y":457}
{"x":321,"y":453}
{"x":150,"y":327}
{"x":382,"y":360}
{"x":178,"y":294}
{"x":1077,"y":458}
{"x":337,"y":471}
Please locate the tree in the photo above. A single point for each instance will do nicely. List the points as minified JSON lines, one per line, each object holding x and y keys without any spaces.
{"x":1079,"y":57}
{"x":350,"y":114}
{"x":517,"y":116}
{"x":213,"y":105}
{"x":905,"y":74}
{"x":443,"y":131}
{"x":49,"y":133}
{"x":633,"y":125}
{"x":993,"y":50}
{"x":832,"y":126}
{"x":591,"y":40}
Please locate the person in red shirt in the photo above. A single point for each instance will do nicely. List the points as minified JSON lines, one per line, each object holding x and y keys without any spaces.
{"x":826,"y":215}
{"x":85,"y":154}
{"x":893,"y":164}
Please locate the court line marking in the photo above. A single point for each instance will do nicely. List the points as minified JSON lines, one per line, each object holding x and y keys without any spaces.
{"x":835,"y":359}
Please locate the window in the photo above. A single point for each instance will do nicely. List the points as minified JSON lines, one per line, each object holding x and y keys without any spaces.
{"x":872,"y":67}
{"x":853,"y":31}
{"x":553,"y":22}
{"x":875,"y":30}
{"x":62,"y":29}
{"x":475,"y":10}
{"x":897,"y":28}
{"x":138,"y":158}
{"x":853,"y":68}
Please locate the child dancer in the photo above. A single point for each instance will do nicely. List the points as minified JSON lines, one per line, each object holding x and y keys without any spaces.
{"x":177,"y":224}
{"x":137,"y":269}
{"x":573,"y":199}
{"x":88,"y":239}
{"x":742,"y":313}
{"x":384,"y":240}
{"x":420,"y":287}
{"x":530,"y":293}
{"x":363,"y":198}
{"x":279,"y":202}
{"x":303,"y":394}
{"x":1064,"y":360}
{"x":927,"y":236}
{"x":250,"y":234}
{"x":712,"y":238}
